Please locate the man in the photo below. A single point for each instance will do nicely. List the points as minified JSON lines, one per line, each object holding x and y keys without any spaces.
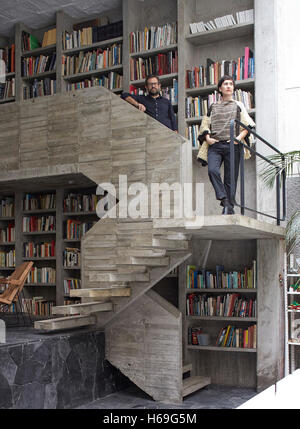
{"x":214,"y":136}
{"x":160,"y":108}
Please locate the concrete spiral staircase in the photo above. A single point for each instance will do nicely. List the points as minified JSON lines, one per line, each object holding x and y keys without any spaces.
{"x":122,"y":259}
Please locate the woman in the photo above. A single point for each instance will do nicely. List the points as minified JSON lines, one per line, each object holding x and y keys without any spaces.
{"x":215,"y":138}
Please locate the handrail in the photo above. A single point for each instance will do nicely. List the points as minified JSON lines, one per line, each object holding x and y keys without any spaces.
{"x":242,"y":173}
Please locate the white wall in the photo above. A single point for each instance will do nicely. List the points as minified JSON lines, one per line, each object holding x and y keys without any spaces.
{"x":288,"y":63}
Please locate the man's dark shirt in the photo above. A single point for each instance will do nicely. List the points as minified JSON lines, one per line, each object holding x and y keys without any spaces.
{"x":159,"y":108}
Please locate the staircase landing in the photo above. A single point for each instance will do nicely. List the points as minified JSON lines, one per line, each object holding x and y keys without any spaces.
{"x":222,"y":227}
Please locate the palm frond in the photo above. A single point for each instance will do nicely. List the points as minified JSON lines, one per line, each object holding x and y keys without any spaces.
{"x":269,"y":172}
{"x":293,"y":232}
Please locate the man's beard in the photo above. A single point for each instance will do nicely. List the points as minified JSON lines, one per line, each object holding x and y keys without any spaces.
{"x":154,"y":91}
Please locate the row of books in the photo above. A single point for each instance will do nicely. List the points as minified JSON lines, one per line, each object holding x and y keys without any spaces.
{"x":75,"y":229}
{"x":38,"y":306}
{"x":35,"y":65}
{"x":199,"y":106}
{"x":223,"y":21}
{"x":80,"y":203}
{"x":7,"y":207}
{"x":42,"y":275}
{"x":112,"y":81}
{"x":225,"y":305}
{"x":71,"y":284}
{"x":93,"y":60}
{"x":89,"y":35}
{"x":153,"y":37}
{"x":192,"y":133}
{"x":49,"y":38}
{"x":39,"y":250}
{"x":39,"y":88}
{"x":8,"y":259}
{"x":159,"y":64}
{"x":8,"y":89}
{"x":8,"y":56}
{"x":7,"y":234}
{"x":39,"y":223}
{"x":219,"y":279}
{"x":194,"y":336}
{"x":39,"y":202}
{"x":211,"y":73}
{"x":169,"y":92}
{"x":71,"y":257}
{"x":230,"y":336}
{"x":29,"y":41}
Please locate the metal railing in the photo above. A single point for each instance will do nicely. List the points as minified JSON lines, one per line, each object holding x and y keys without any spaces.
{"x":280,"y":177}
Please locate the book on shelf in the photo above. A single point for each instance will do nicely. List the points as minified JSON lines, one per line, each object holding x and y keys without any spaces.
{"x":7,"y":207}
{"x":8,"y":56}
{"x":49,"y":38}
{"x":94,"y":60}
{"x":39,"y":250}
{"x":88,"y":34}
{"x":240,"y":69}
{"x":8,"y":89}
{"x":39,"y":88}
{"x":36,"y":65}
{"x":7,"y":234}
{"x":219,"y":279}
{"x":194,"y":334}
{"x":39,"y":223}
{"x":160,"y":64}
{"x":231,"y":336}
{"x":38,"y":306}
{"x":76,"y":203}
{"x":71,"y":257}
{"x":29,"y":42}
{"x":8,"y":259}
{"x":225,"y":305}
{"x":153,"y":37}
{"x":71,"y":283}
{"x":113,"y":81}
{"x":223,"y":21}
{"x":39,"y":202}
{"x":42,"y":275}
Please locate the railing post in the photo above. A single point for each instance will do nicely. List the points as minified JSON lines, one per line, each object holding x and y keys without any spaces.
{"x":232,"y":175}
{"x":278,"y":195}
{"x":242,"y":179}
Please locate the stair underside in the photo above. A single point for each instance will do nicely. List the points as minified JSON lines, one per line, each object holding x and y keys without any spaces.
{"x":65,"y":323}
{"x":101,"y":293}
{"x":83,"y":309}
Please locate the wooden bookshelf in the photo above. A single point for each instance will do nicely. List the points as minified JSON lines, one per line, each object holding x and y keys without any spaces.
{"x":102,"y":44}
{"x":150,"y":52}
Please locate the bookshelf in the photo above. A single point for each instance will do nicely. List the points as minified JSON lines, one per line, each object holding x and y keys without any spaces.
{"x":223,"y":294}
{"x":7,"y":235}
{"x":292,"y":306}
{"x":7,"y":71}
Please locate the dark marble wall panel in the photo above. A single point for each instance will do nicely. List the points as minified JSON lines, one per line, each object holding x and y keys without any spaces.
{"x":61,"y":372}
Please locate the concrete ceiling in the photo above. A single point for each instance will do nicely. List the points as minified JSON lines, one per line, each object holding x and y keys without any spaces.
{"x":41,"y":13}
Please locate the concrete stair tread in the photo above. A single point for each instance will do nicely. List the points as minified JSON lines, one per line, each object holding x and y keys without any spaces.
{"x":192,"y":384}
{"x":112,"y":277}
{"x":70,"y":322}
{"x":101,"y":293}
{"x":83,"y":308}
{"x":151,"y":262}
{"x":170,"y":244}
{"x":186,"y":368}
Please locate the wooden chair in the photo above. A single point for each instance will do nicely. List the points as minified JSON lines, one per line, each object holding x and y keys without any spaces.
{"x":15,"y":283}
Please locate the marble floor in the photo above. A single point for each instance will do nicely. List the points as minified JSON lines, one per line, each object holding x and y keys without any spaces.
{"x":211,"y":397}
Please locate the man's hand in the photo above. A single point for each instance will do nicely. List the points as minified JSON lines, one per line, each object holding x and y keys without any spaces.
{"x":141,"y":107}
